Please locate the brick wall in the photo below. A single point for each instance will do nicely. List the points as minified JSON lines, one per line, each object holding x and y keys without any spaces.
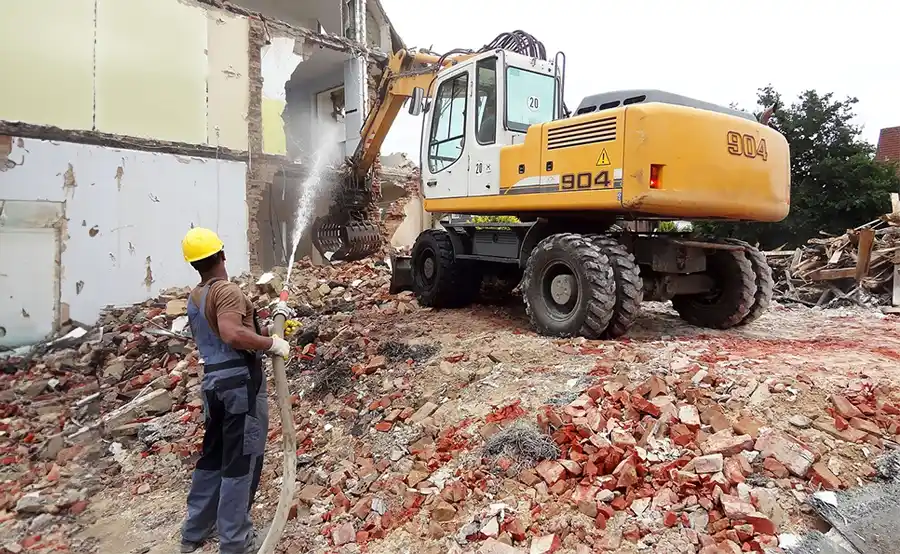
{"x":888,"y":145}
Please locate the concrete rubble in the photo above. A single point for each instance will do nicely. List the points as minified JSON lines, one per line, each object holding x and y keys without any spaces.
{"x":402,"y":440}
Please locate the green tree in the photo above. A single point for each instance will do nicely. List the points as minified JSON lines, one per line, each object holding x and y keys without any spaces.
{"x":835,"y":182}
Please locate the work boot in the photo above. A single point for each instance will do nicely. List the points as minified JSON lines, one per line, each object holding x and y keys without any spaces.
{"x":191,"y":546}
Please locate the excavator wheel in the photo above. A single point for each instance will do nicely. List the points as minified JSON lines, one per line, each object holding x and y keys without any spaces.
{"x":629,"y":286}
{"x":569,"y":287}
{"x":765,"y":285}
{"x":732,"y":298}
{"x":439,"y":279}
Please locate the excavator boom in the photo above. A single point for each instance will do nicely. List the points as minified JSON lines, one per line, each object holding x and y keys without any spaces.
{"x":347,"y":232}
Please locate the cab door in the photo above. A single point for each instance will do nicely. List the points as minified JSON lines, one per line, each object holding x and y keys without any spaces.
{"x":484,"y":135}
{"x":444,"y":138}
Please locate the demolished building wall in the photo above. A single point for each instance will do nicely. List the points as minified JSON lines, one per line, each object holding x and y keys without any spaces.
{"x":114,"y":218}
{"x":146,"y":134}
{"x":101,"y":177}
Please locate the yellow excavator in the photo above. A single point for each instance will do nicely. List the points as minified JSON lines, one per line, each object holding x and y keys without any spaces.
{"x":588,"y":188}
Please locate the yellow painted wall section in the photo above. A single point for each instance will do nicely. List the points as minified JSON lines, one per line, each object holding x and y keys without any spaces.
{"x":151,"y":69}
{"x":229,"y":86}
{"x":277,"y":65}
{"x":274,"y":139}
{"x":46,"y":62}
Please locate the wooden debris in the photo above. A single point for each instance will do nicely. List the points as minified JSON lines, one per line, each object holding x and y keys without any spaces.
{"x":860,"y":267}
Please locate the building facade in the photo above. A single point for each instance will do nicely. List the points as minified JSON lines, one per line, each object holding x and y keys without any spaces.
{"x":124,"y":124}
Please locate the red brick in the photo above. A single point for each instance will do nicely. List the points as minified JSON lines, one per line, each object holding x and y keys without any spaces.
{"x":796,"y":457}
{"x":670,"y":519}
{"x":821,"y":474}
{"x":620,"y":503}
{"x":78,"y":507}
{"x":748,"y":426}
{"x":584,"y":493}
{"x":383,"y":426}
{"x":529,"y":477}
{"x":627,"y":474}
{"x":681,"y":435}
{"x":726,"y":443}
{"x":571,"y":467}
{"x":761,"y":524}
{"x":776,"y":468}
{"x":559,"y":487}
{"x":362,"y":508}
{"x":845,"y":407}
{"x":715,"y":416}
{"x":516,"y":530}
{"x":600,"y":521}
{"x":642,"y":405}
{"x":454,"y":492}
{"x":735,"y":508}
{"x":719,"y":525}
{"x":733,"y":471}
{"x":865,"y":425}
{"x":550,"y":471}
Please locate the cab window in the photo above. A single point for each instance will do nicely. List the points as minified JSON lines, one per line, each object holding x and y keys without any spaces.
{"x":448,"y":126}
{"x":486,"y":101}
{"x":530,"y":98}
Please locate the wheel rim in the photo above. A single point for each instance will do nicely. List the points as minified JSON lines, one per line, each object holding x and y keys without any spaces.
{"x":559,"y":290}
{"x":426,"y":269}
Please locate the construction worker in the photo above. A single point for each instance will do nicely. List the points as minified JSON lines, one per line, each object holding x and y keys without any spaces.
{"x":227,"y":332}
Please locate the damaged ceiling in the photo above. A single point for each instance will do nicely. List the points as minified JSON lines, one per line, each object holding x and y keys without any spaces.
{"x":302,"y":13}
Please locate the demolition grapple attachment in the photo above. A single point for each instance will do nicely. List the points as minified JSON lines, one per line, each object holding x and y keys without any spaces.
{"x":346,"y":232}
{"x":346,"y":238}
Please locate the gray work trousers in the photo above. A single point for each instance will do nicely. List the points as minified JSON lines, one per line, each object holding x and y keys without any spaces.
{"x":227,"y":474}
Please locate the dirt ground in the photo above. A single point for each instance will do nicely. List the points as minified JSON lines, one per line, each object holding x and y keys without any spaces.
{"x":488,"y":357}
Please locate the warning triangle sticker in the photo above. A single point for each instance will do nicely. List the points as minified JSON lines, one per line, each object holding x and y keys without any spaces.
{"x":604,"y":158}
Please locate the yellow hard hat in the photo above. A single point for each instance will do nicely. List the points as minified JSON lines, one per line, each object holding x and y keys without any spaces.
{"x":200,"y":243}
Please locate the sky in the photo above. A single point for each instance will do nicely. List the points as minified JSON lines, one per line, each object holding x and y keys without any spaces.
{"x":717,"y":51}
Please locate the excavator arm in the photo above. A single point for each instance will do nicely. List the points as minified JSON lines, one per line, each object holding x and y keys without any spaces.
{"x":346,"y":231}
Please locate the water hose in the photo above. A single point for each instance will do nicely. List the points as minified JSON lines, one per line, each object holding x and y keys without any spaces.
{"x":288,"y":441}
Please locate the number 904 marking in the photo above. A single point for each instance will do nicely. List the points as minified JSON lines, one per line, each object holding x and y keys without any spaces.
{"x":746,"y":145}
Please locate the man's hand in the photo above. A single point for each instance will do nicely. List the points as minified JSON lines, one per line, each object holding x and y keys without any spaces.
{"x":280,"y":347}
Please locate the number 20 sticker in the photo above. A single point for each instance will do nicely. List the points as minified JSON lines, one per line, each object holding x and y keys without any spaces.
{"x":534,"y":103}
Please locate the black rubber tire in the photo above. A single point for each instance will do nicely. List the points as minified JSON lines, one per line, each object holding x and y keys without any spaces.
{"x":454,"y":283}
{"x":765,"y":284}
{"x":595,"y":299}
{"x":629,"y":286}
{"x":736,"y":282}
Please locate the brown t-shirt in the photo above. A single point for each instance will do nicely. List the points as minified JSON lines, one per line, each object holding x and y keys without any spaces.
{"x":224,"y":297}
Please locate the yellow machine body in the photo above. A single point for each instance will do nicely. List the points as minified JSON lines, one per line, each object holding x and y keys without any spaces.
{"x":650,"y":160}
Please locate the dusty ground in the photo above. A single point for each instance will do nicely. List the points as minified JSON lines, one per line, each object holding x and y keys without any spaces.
{"x":487,"y":358}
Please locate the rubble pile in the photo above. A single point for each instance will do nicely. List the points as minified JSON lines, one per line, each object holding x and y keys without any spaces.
{"x":625,"y":464}
{"x":856,"y":268}
{"x":453,"y":431}
{"x":78,"y":410}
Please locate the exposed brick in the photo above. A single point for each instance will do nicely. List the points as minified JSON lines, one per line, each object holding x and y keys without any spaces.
{"x":776,"y":468}
{"x":726,"y":443}
{"x":823,"y":475}
{"x":748,"y":426}
{"x":845,"y":407}
{"x":550,"y":471}
{"x":796,"y":457}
